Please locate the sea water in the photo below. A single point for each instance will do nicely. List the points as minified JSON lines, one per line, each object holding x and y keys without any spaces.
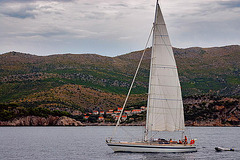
{"x":88,"y":143}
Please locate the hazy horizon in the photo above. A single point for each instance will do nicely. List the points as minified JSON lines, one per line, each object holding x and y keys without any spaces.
{"x":113,"y":55}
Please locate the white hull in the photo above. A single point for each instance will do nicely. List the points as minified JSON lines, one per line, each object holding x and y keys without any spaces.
{"x":127,"y":147}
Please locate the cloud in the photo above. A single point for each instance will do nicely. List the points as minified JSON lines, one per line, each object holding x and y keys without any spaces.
{"x":204,"y":23}
{"x":25,"y":10}
{"x":230,"y":4}
{"x":113,"y":27}
{"x":55,"y":33}
{"x":19,"y":11}
{"x":119,"y":5}
{"x":46,"y":34}
{"x":30,"y":1}
{"x":28,"y":8}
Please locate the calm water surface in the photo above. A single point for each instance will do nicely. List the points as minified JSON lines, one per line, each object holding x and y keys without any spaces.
{"x":80,"y":143}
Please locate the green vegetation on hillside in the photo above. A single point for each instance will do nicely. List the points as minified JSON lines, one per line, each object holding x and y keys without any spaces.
{"x":26,"y":77}
{"x":11,"y":111}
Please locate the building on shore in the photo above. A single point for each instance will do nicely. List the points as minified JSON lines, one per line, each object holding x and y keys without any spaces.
{"x":124,"y":117}
{"x":128,"y":112}
{"x":117,"y":112}
{"x":101,"y":118}
{"x":136,"y":111}
{"x":95,"y":112}
{"x":86,"y":117}
{"x":131,"y":119}
{"x":120,"y":109}
{"x":109,"y":113}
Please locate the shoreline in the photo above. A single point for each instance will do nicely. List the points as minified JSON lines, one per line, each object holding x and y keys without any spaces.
{"x":89,"y":125}
{"x":101,"y":124}
{"x":66,"y":121}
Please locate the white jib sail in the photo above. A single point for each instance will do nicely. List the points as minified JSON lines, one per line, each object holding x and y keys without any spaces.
{"x":165,"y":107}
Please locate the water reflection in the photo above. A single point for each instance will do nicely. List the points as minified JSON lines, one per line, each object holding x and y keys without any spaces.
{"x":164,"y":156}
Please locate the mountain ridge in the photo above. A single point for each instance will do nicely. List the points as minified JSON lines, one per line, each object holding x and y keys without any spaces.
{"x":201,"y":71}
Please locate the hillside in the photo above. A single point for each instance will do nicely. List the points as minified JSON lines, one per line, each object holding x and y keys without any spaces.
{"x":211,"y":111}
{"x":76,"y":97}
{"x":204,"y":70}
{"x":25,"y":77}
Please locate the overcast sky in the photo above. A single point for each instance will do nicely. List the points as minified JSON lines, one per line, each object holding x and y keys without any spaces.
{"x":113,"y":27}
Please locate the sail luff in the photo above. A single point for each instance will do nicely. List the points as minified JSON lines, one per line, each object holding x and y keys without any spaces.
{"x":165,"y":108}
{"x":147,"y":118}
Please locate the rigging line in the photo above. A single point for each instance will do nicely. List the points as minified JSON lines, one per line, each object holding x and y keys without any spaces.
{"x":118,"y":122}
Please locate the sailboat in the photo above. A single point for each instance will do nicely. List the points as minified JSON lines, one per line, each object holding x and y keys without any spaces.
{"x":165,"y":105}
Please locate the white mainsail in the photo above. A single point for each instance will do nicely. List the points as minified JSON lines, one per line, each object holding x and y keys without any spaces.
{"x":165,"y":107}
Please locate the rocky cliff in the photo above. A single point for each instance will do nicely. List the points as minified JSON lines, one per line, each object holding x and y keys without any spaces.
{"x":42,"y":121}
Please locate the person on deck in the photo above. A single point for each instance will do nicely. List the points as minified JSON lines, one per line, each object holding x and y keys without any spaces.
{"x":185,"y":140}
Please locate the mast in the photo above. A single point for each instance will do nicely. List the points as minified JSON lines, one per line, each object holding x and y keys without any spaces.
{"x":147,"y":118}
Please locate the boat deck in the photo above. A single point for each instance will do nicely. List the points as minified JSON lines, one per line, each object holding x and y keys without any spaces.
{"x":151,"y":143}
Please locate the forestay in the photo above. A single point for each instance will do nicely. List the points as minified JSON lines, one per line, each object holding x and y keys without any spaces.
{"x":165,"y":107}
